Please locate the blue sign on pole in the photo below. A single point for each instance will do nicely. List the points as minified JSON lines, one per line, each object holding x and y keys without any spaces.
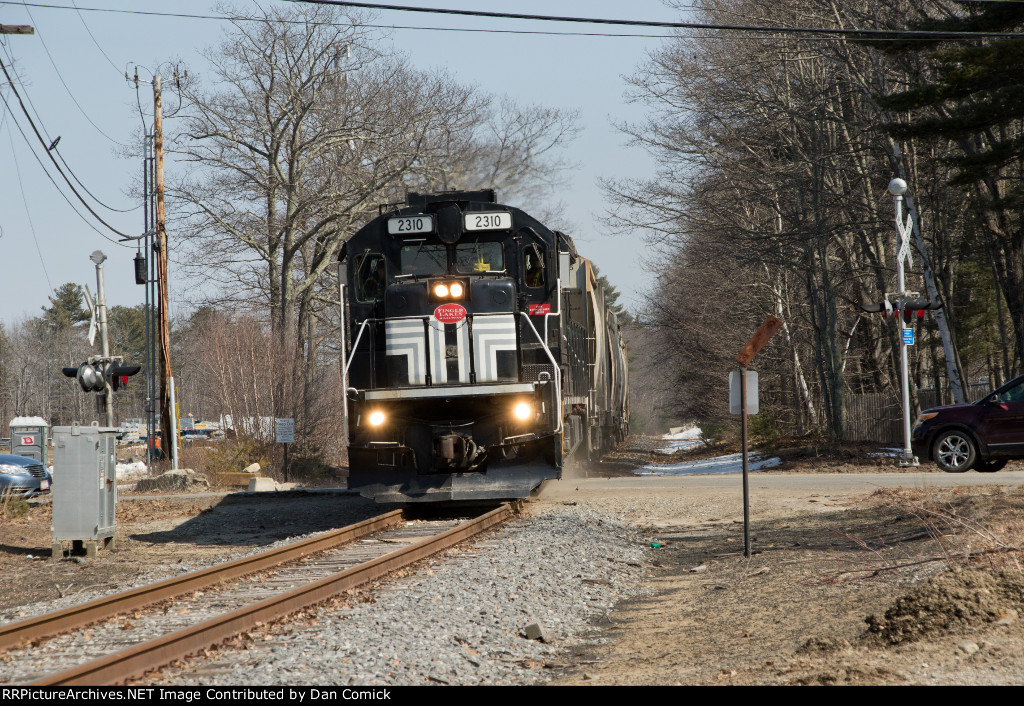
{"x":908,"y":336}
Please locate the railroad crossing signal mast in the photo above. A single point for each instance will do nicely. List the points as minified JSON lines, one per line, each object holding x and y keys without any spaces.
{"x":906,"y":304}
{"x":102,"y":373}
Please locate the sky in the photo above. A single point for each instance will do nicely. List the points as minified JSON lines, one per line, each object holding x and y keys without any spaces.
{"x":73,"y":70}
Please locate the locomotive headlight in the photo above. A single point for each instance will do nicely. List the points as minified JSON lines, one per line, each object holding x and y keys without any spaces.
{"x":523,"y":411}
{"x":376,"y":418}
{"x":440,"y":290}
{"x":456,"y":290}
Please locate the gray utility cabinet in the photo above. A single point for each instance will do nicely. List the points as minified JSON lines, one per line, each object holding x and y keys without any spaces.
{"x":84,"y":486}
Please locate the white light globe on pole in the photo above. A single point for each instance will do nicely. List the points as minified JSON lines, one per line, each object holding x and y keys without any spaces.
{"x":897,"y":187}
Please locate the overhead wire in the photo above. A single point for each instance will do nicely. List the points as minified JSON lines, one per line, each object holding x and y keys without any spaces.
{"x":814,"y":32}
{"x":105,"y":56}
{"x":887,"y":33}
{"x":49,"y":176}
{"x":60,"y":76}
{"x":24,"y":200}
{"x":35,"y":129}
{"x":53,"y":148}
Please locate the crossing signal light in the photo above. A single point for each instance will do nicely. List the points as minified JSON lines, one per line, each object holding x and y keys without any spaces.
{"x":118,"y":374}
{"x":885,"y":308}
{"x":910,"y":308}
{"x":93,"y":376}
{"x":90,"y":377}
{"x":917,"y":307}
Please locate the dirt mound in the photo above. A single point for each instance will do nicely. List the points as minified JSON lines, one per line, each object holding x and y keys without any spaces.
{"x":951,"y":602}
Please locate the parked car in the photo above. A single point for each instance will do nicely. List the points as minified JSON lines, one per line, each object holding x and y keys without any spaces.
{"x":982,"y":435}
{"x":23,"y":477}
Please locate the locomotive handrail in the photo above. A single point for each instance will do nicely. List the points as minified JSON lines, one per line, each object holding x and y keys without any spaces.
{"x":555,"y":369}
{"x":546,"y":326}
{"x":355,"y":346}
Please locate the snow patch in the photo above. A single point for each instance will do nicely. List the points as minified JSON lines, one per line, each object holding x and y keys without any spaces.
{"x":29,"y":422}
{"x":682,"y":440}
{"x":733,"y":463}
{"x":132,"y":471}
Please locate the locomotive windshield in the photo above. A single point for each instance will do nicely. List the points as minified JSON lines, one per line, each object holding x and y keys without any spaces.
{"x":479,"y":256}
{"x":423,"y":258}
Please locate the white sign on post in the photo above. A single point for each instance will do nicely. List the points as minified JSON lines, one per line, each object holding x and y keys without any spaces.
{"x":735,"y":407}
{"x":284,"y":430}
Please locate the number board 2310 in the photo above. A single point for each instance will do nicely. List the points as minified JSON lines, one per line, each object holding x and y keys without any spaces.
{"x":405,"y":225}
{"x":500,"y":220}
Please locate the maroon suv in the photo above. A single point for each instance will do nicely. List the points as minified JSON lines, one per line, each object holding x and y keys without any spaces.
{"x":982,"y":435}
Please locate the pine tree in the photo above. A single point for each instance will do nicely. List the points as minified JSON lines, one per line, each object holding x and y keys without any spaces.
{"x":611,"y":300}
{"x":67,"y":308}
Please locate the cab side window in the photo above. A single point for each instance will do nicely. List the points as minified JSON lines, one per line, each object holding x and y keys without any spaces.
{"x":370,"y":279}
{"x":533,"y":267}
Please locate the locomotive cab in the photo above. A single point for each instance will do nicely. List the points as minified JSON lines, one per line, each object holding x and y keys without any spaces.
{"x":454,"y":351}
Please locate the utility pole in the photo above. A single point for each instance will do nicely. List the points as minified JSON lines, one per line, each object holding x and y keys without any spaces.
{"x":17,"y":29}
{"x":169,"y":441}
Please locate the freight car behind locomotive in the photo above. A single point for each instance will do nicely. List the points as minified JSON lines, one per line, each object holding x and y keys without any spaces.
{"x":481,"y":358}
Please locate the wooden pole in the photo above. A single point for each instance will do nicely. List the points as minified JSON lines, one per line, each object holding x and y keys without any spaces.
{"x":164,"y":327}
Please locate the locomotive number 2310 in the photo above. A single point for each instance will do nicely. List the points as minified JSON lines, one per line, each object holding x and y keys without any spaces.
{"x":410,"y":224}
{"x":487,"y":221}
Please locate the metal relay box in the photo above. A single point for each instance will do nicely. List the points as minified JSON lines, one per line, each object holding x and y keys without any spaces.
{"x":84,"y":486}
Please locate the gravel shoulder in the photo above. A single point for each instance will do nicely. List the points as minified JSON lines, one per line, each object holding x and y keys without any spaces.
{"x":914,"y":586}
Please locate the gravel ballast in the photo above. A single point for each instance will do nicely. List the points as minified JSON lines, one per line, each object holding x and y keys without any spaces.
{"x":461,"y":618}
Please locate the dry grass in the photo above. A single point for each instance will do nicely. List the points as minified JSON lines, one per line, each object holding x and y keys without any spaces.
{"x":12,"y":507}
{"x":969,"y":528}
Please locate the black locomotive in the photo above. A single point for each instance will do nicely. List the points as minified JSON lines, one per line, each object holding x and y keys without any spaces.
{"x":480,"y":356}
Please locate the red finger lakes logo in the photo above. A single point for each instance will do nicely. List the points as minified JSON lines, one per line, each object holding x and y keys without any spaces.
{"x":450,"y":313}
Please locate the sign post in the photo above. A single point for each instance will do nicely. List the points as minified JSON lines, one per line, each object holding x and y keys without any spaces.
{"x":746,"y":354}
{"x":284,"y":433}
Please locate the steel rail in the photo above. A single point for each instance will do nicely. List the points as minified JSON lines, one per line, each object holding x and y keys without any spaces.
{"x":136,"y":661}
{"x":78,"y":616}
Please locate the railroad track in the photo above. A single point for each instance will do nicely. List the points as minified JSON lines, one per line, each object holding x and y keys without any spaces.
{"x":146,"y":628}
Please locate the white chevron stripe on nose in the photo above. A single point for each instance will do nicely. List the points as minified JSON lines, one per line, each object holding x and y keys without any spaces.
{"x":491,"y":334}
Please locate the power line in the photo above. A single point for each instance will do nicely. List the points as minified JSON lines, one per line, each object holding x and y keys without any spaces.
{"x":53,"y":143}
{"x":94,"y":38}
{"x":900,"y":33}
{"x":24,"y":200}
{"x":815,"y":32}
{"x":47,"y":150}
{"x":240,"y":18}
{"x":60,"y":76}
{"x":49,"y":176}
